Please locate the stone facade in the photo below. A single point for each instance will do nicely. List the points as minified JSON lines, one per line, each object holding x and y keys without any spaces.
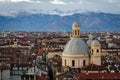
{"x":75,"y":61}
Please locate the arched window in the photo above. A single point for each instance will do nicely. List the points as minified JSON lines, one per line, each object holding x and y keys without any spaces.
{"x":92,"y":50}
{"x":84,"y":62}
{"x":75,"y":32}
{"x":65,"y":62}
{"x":73,"y":63}
{"x":78,"y":32}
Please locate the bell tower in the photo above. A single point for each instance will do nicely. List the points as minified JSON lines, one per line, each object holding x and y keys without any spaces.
{"x":96,"y":52}
{"x":75,"y":30}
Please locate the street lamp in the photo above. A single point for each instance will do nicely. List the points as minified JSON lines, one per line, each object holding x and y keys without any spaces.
{"x":1,"y":74}
{"x":34,"y":63}
{"x":1,"y":70}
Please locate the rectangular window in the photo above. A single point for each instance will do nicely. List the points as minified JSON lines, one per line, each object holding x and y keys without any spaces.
{"x":73,"y":63}
{"x":15,"y":68}
{"x":20,"y":68}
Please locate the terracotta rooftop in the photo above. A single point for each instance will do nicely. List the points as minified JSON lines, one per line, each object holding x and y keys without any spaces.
{"x":4,"y":67}
{"x":7,"y":56}
{"x":98,"y":76}
{"x":41,"y":77}
{"x":93,"y":67}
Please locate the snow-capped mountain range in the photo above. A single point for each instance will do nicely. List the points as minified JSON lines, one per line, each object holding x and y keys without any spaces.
{"x":51,"y":12}
{"x":56,"y":20}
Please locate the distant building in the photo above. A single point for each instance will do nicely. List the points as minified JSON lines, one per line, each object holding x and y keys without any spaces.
{"x":4,"y":72}
{"x":3,"y":34}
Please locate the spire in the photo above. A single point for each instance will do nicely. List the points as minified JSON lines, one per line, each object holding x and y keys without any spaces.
{"x":75,"y":30}
{"x":36,"y":42}
{"x":13,"y":28}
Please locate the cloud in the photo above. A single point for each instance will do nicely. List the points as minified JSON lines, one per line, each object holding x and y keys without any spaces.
{"x":21,"y":0}
{"x":81,"y":2}
{"x":71,"y":2}
{"x":112,"y":1}
{"x":3,"y":0}
{"x":78,"y":2}
{"x":57,"y":2}
{"x":37,"y":1}
{"x":109,"y":6}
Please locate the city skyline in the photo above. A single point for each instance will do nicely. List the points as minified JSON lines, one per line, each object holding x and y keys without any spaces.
{"x":59,"y":55}
{"x":59,"y":39}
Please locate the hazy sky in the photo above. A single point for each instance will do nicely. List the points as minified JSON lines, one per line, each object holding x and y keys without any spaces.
{"x":112,"y":6}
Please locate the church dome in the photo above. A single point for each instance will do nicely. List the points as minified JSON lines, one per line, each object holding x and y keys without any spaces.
{"x":89,"y":42}
{"x":76,"y":46}
{"x":95,"y":42}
